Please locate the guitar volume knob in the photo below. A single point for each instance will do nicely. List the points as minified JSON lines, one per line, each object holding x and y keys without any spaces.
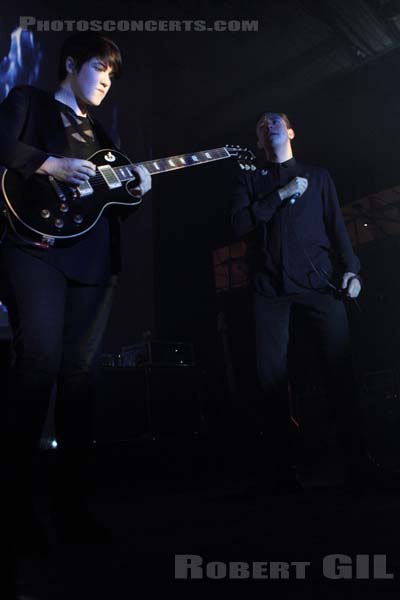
{"x":78,"y":219}
{"x":64,"y":208}
{"x":59,"y":223}
{"x":45,"y":213}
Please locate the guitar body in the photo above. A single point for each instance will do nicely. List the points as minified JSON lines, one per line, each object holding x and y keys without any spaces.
{"x":57,"y":213}
{"x":42,"y":207}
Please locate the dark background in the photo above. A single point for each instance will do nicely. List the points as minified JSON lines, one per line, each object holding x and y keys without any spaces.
{"x":331,"y":65}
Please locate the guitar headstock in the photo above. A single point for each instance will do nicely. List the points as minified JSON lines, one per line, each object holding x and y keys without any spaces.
{"x":244,"y":157}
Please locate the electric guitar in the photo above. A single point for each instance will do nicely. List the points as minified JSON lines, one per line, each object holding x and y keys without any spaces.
{"x":57,"y":212}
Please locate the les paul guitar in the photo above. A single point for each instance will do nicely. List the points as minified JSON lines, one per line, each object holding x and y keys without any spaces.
{"x":43,"y":207}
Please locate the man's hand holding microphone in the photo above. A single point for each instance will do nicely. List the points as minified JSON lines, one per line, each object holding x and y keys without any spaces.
{"x":294,"y":189}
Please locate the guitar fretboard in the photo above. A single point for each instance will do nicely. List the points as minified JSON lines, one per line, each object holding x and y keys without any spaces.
{"x":172,"y":163}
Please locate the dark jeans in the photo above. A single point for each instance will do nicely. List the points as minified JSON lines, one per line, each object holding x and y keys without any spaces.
{"x":328,"y":326}
{"x":57,"y":326}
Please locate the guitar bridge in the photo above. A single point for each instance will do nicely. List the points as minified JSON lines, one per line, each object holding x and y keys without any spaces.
{"x":110,"y":177}
{"x":85,"y":189}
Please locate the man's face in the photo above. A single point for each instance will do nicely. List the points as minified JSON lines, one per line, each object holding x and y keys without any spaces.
{"x":272,"y":131}
{"x":92,"y":82}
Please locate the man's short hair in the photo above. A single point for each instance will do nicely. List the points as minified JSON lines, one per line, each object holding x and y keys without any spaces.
{"x":274,"y":112}
{"x":87,"y":45}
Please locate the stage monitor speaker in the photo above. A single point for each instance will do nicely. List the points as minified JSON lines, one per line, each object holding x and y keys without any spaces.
{"x":119,"y":410}
{"x":148,"y":401}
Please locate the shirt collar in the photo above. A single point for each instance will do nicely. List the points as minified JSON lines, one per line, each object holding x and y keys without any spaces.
{"x":69,"y":110}
{"x":287,"y":164}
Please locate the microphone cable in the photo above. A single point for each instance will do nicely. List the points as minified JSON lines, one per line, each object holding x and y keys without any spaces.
{"x":321,"y":273}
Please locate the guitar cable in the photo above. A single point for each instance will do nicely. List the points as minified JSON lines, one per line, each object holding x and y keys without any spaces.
{"x":26,"y":242}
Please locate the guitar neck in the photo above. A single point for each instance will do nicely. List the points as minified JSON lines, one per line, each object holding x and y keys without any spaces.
{"x":181,"y":161}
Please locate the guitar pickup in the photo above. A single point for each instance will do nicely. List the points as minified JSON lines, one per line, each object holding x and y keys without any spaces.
{"x":110,"y":177}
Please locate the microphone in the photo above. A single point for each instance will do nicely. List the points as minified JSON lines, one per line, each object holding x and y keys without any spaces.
{"x":292,"y":199}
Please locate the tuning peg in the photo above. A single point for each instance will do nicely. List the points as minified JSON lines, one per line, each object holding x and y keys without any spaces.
{"x":247,"y":167}
{"x":253,"y":167}
{"x":241,"y":166}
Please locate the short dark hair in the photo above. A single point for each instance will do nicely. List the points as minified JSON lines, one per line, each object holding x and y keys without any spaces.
{"x":274,"y":112}
{"x":86,"y":45}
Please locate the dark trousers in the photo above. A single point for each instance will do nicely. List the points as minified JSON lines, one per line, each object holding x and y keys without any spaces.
{"x":57,"y":326}
{"x":327,"y":325}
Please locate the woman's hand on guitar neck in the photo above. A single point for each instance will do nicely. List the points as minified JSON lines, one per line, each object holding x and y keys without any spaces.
{"x":143,"y":181}
{"x":69,"y":170}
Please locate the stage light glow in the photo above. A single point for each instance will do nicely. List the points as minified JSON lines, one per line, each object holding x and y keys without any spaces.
{"x":22,"y":64}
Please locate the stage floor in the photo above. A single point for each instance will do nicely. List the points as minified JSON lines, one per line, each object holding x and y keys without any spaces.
{"x":160,"y":502}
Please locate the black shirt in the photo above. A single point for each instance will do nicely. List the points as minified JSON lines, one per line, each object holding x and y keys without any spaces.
{"x":292,"y":248}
